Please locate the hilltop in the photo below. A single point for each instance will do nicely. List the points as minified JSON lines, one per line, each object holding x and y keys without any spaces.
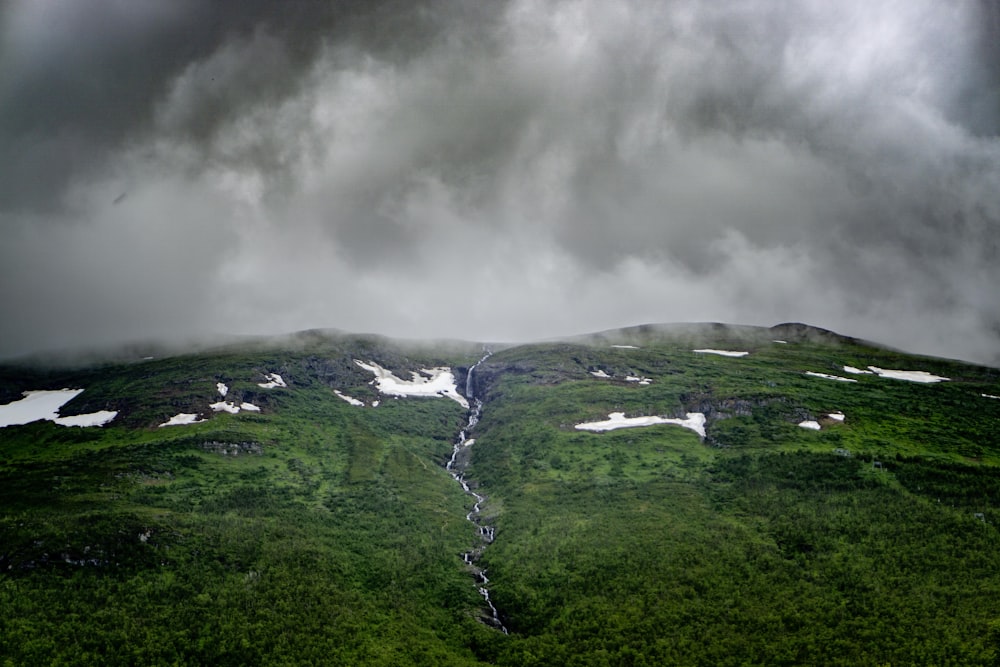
{"x":662,"y":494}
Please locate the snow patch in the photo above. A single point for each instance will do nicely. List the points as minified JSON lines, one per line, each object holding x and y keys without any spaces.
{"x":99,"y":418}
{"x":45,"y":404}
{"x":836,"y":416}
{"x":345,"y":397}
{"x":782,"y":342}
{"x":273,"y":380}
{"x":829,"y":377}
{"x":625,"y":347}
{"x":724,"y":353}
{"x":856,"y":371}
{"x":223,"y":389}
{"x":232,"y":408}
{"x":991,"y":396}
{"x":641,"y":380}
{"x":182,"y":419}
{"x":912,"y":376}
{"x":810,"y":424}
{"x":694,"y":421}
{"x":428,"y":382}
{"x":599,"y":374}
{"x":36,"y":406}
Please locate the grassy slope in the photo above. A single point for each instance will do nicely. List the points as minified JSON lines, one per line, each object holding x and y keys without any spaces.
{"x":334,"y":540}
{"x":339,"y":543}
{"x":646,"y":546}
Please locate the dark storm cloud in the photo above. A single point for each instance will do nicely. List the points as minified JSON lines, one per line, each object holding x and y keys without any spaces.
{"x":495,"y":170}
{"x":81,"y":78}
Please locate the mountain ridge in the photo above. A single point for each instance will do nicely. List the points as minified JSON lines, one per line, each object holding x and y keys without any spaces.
{"x":142,"y":350}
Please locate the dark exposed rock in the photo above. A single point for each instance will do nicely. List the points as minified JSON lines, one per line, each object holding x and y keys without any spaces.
{"x":233,"y":448}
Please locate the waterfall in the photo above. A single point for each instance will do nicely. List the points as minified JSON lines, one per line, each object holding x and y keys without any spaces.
{"x":456,"y":468}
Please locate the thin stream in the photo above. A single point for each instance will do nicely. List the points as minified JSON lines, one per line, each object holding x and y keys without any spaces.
{"x":457,"y":471}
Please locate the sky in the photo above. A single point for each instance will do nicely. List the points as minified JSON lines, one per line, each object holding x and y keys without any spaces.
{"x":503,"y":170}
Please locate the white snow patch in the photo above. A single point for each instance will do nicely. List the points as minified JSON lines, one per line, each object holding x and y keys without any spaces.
{"x":836,"y":416}
{"x":829,"y":377}
{"x":223,"y":389}
{"x":45,"y":404}
{"x":375,"y":403}
{"x":641,"y":380}
{"x":625,"y":347}
{"x":912,"y":376}
{"x":99,"y":418}
{"x":223,"y":406}
{"x":273,"y":380}
{"x":782,"y":342}
{"x":724,"y":353}
{"x":810,"y":424}
{"x":428,"y":382}
{"x":694,"y":421}
{"x":991,"y":396}
{"x":345,"y":397}
{"x":232,"y":408}
{"x":599,"y":374}
{"x":856,"y":371}
{"x":36,"y":406}
{"x":182,"y":419}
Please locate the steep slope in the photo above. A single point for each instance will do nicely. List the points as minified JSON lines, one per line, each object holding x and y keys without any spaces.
{"x":834,"y":512}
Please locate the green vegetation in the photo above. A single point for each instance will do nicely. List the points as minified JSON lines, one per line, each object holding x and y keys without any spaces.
{"x":316,"y":532}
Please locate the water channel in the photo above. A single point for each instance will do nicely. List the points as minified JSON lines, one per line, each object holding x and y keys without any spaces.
{"x":456,"y":468}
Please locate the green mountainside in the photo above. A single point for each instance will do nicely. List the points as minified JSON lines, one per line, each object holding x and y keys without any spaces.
{"x":820,"y":521}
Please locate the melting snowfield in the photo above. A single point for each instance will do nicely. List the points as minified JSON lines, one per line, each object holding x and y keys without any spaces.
{"x":182,"y":419}
{"x":428,"y":382}
{"x":44,"y":405}
{"x":223,"y":389}
{"x":694,"y":421}
{"x":829,"y":377}
{"x":599,"y":374}
{"x":99,"y":418}
{"x":911,"y":376}
{"x":625,"y":347}
{"x":222,"y":406}
{"x":814,"y":425}
{"x":724,"y":353}
{"x":349,"y":399}
{"x":232,"y":408}
{"x":273,"y":380}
